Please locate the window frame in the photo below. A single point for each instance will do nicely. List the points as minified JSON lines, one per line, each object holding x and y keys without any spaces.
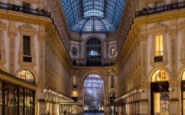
{"x":75,"y":52}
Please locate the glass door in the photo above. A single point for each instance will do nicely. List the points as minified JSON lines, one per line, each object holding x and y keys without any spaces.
{"x":183,"y":96}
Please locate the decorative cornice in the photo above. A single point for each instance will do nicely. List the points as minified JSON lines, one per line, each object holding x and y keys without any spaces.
{"x":158,"y":26}
{"x":155,"y":64}
{"x":27,"y":26}
{"x":2,"y":24}
{"x":182,"y":23}
{"x":173,"y":34}
{"x":12,"y":33}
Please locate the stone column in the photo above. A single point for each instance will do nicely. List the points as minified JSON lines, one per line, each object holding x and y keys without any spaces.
{"x":12,"y":36}
{"x":41,"y":107}
{"x":174,"y":97}
{"x":55,"y":108}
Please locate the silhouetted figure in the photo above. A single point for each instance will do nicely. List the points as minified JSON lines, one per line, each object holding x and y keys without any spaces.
{"x":64,"y":112}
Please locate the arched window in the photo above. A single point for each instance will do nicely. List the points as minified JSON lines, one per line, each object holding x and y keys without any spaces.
{"x":26,"y":75}
{"x":160,"y":75}
{"x":93,"y":55}
{"x":183,"y":76}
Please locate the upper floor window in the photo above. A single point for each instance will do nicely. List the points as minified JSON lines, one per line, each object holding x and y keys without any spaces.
{"x":113,"y":51}
{"x":74,"y":80}
{"x":74,"y":51}
{"x":93,"y":50}
{"x":159,"y":45}
{"x":26,"y":75}
{"x":26,"y":7}
{"x":159,"y":5}
{"x":112,"y":79}
{"x":26,"y":45}
{"x":27,"y":49}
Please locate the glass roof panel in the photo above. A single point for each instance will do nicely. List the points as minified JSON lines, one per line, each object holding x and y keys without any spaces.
{"x":93,"y":16}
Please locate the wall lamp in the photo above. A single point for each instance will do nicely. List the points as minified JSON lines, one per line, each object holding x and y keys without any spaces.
{"x":44,"y":90}
{"x":141,"y":90}
{"x":171,"y":89}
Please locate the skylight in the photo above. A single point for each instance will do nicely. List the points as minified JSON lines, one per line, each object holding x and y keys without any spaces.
{"x":92,"y":13}
{"x":93,"y":16}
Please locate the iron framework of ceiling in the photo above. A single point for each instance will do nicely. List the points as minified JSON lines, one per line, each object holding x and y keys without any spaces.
{"x":93,"y":16}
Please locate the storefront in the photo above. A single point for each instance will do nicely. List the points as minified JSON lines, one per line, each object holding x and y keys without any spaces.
{"x":17,"y":96}
{"x":69,"y":109}
{"x":183,"y":93}
{"x":159,"y":93}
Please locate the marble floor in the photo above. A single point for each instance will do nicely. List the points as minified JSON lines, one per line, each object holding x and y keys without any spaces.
{"x":93,"y":113}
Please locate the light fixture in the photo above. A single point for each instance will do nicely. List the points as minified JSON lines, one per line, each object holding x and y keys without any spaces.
{"x":170,"y":89}
{"x":141,"y":90}
{"x":44,"y":90}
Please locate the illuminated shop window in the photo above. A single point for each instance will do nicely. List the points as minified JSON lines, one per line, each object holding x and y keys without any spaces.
{"x":26,"y":75}
{"x":161,"y":103}
{"x":159,"y":45}
{"x":183,"y":92}
{"x":160,"y":75}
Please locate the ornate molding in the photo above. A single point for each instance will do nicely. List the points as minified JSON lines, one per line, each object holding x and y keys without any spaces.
{"x":173,"y":34}
{"x":158,"y":26}
{"x":2,"y":25}
{"x":12,"y":33}
{"x":27,"y":26}
{"x":155,"y":64}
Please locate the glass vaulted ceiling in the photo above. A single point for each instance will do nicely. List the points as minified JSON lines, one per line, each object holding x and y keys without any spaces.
{"x":93,"y":16}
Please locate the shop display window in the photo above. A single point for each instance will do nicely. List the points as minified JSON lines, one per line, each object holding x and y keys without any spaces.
{"x":183,"y":93}
{"x":16,"y":100}
{"x":161,"y":103}
{"x":183,"y":102}
{"x":74,"y":109}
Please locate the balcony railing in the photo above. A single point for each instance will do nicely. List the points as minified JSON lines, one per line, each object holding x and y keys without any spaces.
{"x":160,"y":9}
{"x":24,"y":10}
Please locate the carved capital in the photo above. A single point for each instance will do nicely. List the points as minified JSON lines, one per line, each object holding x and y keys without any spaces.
{"x":173,"y":34}
{"x":27,"y":26}
{"x":42,"y":38}
{"x":142,"y":37}
{"x":12,"y":34}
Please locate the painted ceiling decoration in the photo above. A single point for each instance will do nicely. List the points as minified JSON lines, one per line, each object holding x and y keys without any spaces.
{"x":93,"y":16}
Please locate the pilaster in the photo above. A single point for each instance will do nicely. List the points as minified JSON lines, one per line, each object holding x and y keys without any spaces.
{"x":12,"y":36}
{"x":41,"y":58}
{"x":173,"y":51}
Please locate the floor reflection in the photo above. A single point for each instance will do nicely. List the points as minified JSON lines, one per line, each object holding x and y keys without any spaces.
{"x":93,"y":113}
